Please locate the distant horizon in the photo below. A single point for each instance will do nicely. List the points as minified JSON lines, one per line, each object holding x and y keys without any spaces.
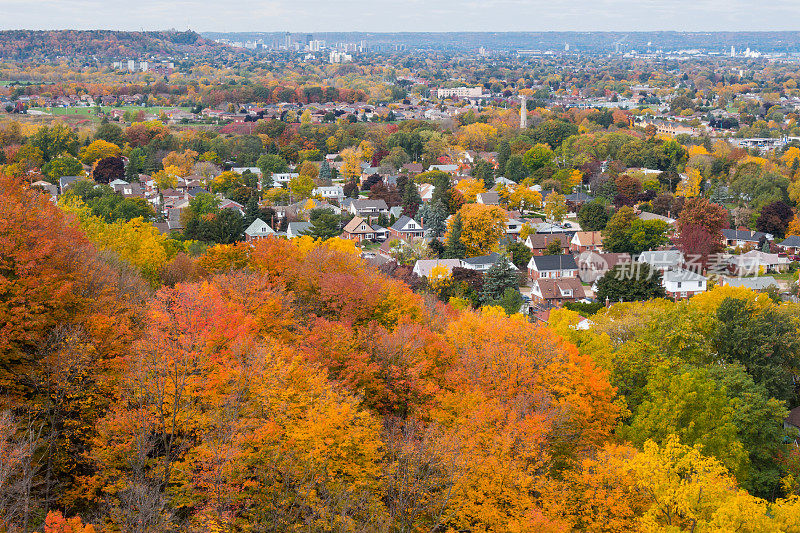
{"x":383,"y":16}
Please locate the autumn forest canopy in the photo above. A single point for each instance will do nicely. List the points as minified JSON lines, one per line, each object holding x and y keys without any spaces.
{"x":290,"y":386}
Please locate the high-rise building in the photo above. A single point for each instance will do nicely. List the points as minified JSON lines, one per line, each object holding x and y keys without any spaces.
{"x":523,"y":112}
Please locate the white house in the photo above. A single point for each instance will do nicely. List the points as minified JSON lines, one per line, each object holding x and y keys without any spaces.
{"x":281,"y":178}
{"x":662,"y":260}
{"x":332,"y":192}
{"x":682,"y":283}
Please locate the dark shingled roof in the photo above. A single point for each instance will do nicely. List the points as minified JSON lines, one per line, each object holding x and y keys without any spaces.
{"x":554,"y":262}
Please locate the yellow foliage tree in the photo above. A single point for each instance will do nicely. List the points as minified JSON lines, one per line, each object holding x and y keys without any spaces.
{"x":689,"y":186}
{"x":180,"y":162}
{"x":352,"y":164}
{"x":440,"y":278}
{"x":555,"y":207}
{"x":482,"y":228}
{"x":523,"y":198}
{"x":99,"y":149}
{"x":470,"y":188}
{"x":136,"y":241}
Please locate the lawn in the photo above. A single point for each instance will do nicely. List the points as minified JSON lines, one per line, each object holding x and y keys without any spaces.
{"x":87,"y":111}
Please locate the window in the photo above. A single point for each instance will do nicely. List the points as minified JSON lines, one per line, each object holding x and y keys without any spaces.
{"x":679,"y":284}
{"x":700,"y":284}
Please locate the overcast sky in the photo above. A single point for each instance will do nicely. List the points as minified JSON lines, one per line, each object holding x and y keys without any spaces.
{"x":407,"y":15}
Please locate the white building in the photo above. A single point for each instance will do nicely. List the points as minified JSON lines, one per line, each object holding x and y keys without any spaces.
{"x":331,"y":192}
{"x":683,"y":283}
{"x":460,"y":92}
{"x":339,"y":57}
{"x":280,"y":178}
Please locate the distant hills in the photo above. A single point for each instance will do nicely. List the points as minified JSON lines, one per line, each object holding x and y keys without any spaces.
{"x":101,"y":44}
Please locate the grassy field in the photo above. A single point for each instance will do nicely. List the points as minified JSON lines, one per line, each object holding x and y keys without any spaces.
{"x":92,"y":111}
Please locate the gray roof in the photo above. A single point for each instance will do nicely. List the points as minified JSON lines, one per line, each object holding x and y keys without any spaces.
{"x":66,"y":181}
{"x":554,"y":262}
{"x":579,"y":197}
{"x":740,"y":235}
{"x":489,"y":198}
{"x":298,"y":228}
{"x":792,"y":241}
{"x":259,"y":227}
{"x":756,"y":284}
{"x":401,"y":223}
{"x":362,"y":204}
{"x":490,"y":259}
{"x":661,"y":258}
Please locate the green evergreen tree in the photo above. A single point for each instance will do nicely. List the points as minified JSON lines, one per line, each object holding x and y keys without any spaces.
{"x":455,"y":249}
{"x":411,"y":199}
{"x":500,"y":277}
{"x":433,"y":217}
{"x":251,"y":210}
{"x":503,"y":153}
{"x":483,"y":171}
{"x":325,"y":175}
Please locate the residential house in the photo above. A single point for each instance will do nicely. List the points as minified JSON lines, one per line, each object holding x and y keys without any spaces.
{"x":406,"y":228}
{"x":46,"y":186}
{"x":683,"y":283}
{"x":755,"y":262}
{"x":358,"y":230}
{"x":592,"y":265}
{"x":646,"y":215}
{"x":587,"y":241}
{"x":791,"y":245}
{"x":758,"y":284}
{"x":65,"y":182}
{"x":369,"y":209}
{"x":297,"y":229}
{"x":258,"y":230}
{"x":396,"y":211}
{"x":332,"y":192}
{"x":413,"y":168}
{"x":513,"y":227}
{"x":423,"y":267}
{"x":227,"y":203}
{"x":129,"y":190}
{"x":483,"y":263}
{"x":552,"y":267}
{"x":538,"y":242}
{"x":381,"y":233}
{"x":736,"y":238}
{"x":426,"y":191}
{"x":488,"y":198}
{"x":450,"y":169}
{"x":283,"y":178}
{"x":554,"y":292}
{"x":662,"y":260}
{"x":242,"y":170}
